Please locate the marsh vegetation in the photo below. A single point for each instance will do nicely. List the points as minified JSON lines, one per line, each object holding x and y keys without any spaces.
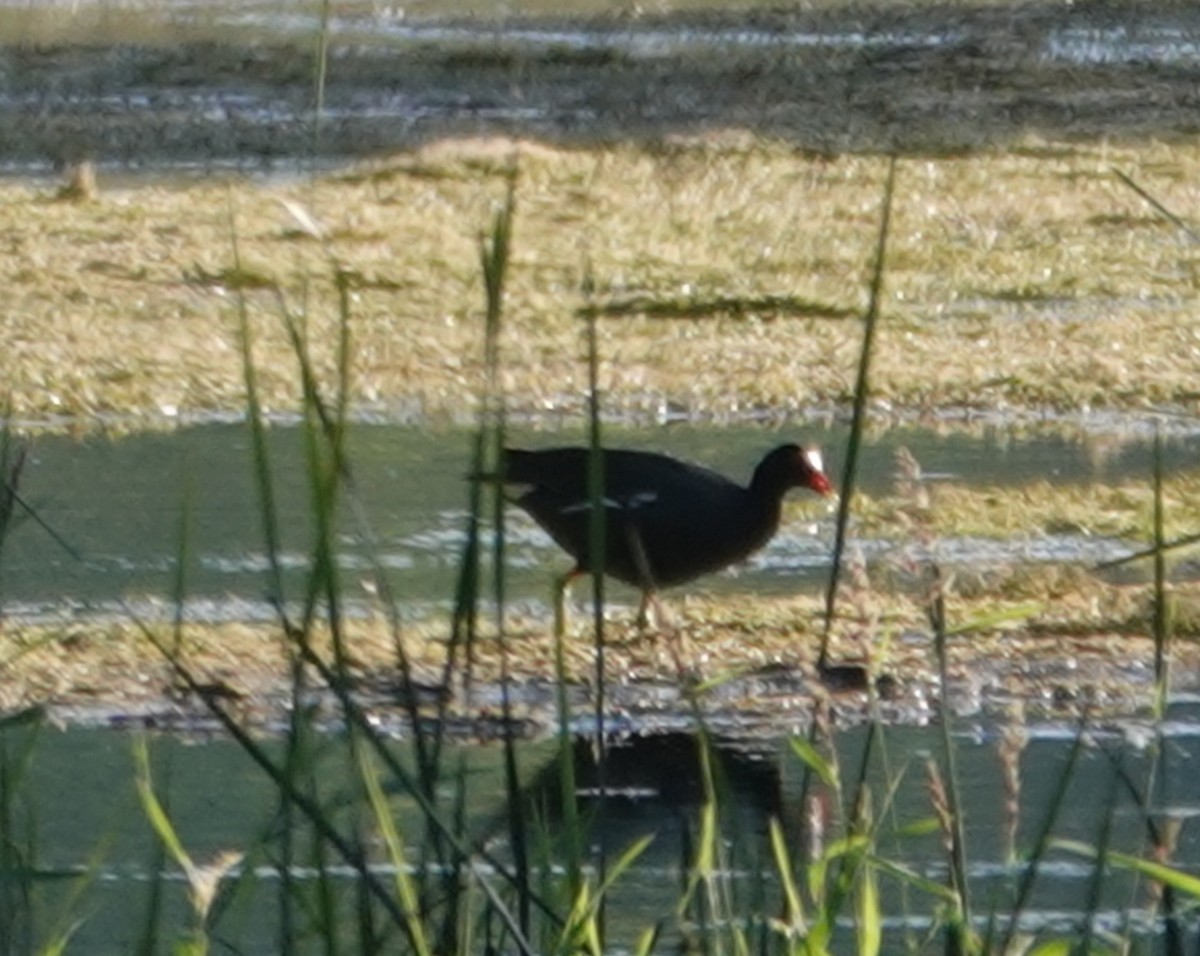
{"x":718,"y":265}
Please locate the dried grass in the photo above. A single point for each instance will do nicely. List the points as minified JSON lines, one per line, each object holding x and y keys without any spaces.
{"x":1029,"y":279}
{"x":1045,"y":636}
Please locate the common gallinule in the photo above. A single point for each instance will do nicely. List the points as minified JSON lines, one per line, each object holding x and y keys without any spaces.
{"x":666,"y":522}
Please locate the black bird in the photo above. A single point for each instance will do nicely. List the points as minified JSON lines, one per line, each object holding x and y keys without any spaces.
{"x":666,"y":521}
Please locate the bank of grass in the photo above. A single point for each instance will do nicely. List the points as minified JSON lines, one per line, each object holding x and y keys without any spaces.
{"x":1042,"y":634}
{"x":732,"y":267}
{"x":1120,"y":509}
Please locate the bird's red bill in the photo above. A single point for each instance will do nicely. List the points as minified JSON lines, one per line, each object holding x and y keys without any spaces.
{"x":817,"y":479}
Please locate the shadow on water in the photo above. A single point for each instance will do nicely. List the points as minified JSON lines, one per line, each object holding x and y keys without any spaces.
{"x":228,"y":85}
{"x":654,"y":787}
{"x":118,"y":503}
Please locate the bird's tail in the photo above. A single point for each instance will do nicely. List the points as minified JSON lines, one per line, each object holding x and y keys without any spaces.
{"x":510,"y":469}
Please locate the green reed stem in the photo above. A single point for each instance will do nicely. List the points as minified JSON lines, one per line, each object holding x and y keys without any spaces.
{"x":962,"y":931}
{"x":321,"y":72}
{"x":1041,"y":842}
{"x":1162,"y":626}
{"x":597,"y":550}
{"x":494,"y":258}
{"x":1162,"y":608}
{"x":1157,"y":206}
{"x":858,"y":421}
{"x":295,"y":743}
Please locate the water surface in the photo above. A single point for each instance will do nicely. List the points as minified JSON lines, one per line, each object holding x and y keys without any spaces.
{"x":213,"y":86}
{"x":125,"y":506}
{"x":220,"y":802}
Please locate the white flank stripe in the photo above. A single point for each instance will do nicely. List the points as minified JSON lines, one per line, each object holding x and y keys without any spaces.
{"x":586,"y":505}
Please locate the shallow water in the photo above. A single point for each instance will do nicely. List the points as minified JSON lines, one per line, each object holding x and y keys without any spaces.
{"x":121,"y":506}
{"x":1167,"y":37}
{"x":220,"y":802}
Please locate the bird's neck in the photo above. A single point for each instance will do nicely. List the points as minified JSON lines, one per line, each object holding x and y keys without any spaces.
{"x":768,"y":490}
{"x":766,"y":508}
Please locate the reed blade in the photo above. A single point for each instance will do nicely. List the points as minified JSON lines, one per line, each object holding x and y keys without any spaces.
{"x":858,"y":421}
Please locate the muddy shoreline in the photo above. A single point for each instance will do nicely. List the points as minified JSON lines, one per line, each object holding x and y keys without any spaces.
{"x":747,"y":664}
{"x":924,"y":81}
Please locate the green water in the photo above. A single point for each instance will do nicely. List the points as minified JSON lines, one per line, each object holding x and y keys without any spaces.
{"x":122,"y":506}
{"x":79,"y":797}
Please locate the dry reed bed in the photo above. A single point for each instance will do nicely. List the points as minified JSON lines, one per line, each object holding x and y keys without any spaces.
{"x":1028,"y":279}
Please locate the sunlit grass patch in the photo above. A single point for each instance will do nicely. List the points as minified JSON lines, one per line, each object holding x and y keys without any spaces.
{"x":1013,"y":282}
{"x":1120,"y":510}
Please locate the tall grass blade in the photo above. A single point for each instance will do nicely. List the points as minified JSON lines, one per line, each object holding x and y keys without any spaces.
{"x":813,"y":760}
{"x":858,"y":834}
{"x":1061,"y":947}
{"x":647,"y":941}
{"x":704,"y":863}
{"x":1162,"y":607}
{"x":18,"y":869}
{"x":62,"y":942}
{"x":793,"y":901}
{"x":868,"y":912}
{"x":147,"y":942}
{"x":932,"y":888}
{"x":1173,"y":545}
{"x":572,"y":824}
{"x":1162,"y":633}
{"x":155,"y":812}
{"x":1181,"y":880}
{"x":457,"y":668}
{"x":1175,"y":933}
{"x":295,"y":739}
{"x":426,"y":805}
{"x":858,"y":421}
{"x":12,"y":461}
{"x":17,"y":848}
{"x":495,"y":254}
{"x":263,"y":482}
{"x":959,"y":938}
{"x":203,"y":881}
{"x":320,"y":69}
{"x":464,"y":627}
{"x":582,"y":930}
{"x":405,"y":890}
{"x":500,"y":910}
{"x":1095,"y":896}
{"x":1156,"y":205}
{"x":597,"y":549}
{"x":12,"y":464}
{"x":1043,"y":841}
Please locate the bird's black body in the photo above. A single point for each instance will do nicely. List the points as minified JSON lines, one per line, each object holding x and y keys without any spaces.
{"x":666,"y":522}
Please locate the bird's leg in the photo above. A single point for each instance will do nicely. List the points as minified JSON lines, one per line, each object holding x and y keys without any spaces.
{"x":643,"y":614}
{"x":562,"y":589}
{"x":651,"y":611}
{"x":649,"y":596}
